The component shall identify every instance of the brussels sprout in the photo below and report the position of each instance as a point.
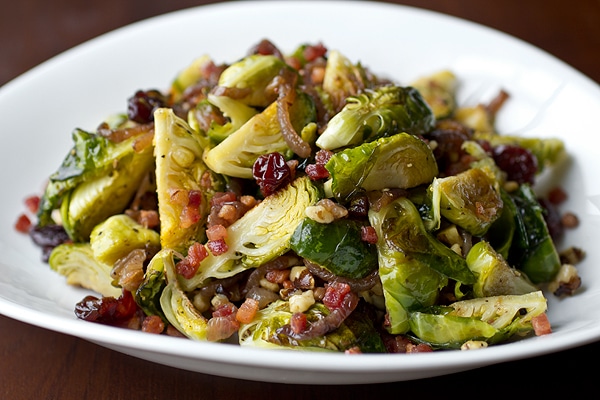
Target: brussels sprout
(377, 113)
(189, 76)
(260, 135)
(336, 246)
(502, 231)
(97, 179)
(117, 236)
(183, 203)
(399, 161)
(470, 199)
(177, 307)
(494, 276)
(76, 262)
(409, 284)
(533, 250)
(250, 78)
(237, 113)
(261, 235)
(477, 118)
(356, 331)
(342, 78)
(439, 92)
(403, 230)
(491, 319)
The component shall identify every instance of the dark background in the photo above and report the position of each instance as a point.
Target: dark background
(39, 364)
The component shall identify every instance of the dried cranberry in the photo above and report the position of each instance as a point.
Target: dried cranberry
(48, 235)
(519, 163)
(316, 172)
(141, 106)
(107, 310)
(271, 172)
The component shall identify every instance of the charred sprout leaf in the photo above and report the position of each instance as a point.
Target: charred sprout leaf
(147, 296)
(533, 249)
(260, 135)
(470, 199)
(382, 112)
(177, 307)
(250, 78)
(439, 92)
(400, 161)
(336, 246)
(409, 284)
(97, 179)
(491, 319)
(261, 235)
(118, 235)
(183, 203)
(356, 331)
(494, 276)
(76, 262)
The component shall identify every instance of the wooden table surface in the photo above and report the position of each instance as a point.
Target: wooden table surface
(40, 364)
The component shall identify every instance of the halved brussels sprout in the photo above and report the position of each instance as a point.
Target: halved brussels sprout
(118, 235)
(177, 307)
(189, 76)
(97, 179)
(494, 276)
(260, 135)
(236, 112)
(490, 319)
(470, 199)
(183, 203)
(377, 113)
(342, 78)
(439, 92)
(77, 263)
(251, 76)
(261, 235)
(411, 279)
(399, 161)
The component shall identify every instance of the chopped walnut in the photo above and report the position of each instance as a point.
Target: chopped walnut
(326, 211)
(567, 280)
(473, 345)
(572, 255)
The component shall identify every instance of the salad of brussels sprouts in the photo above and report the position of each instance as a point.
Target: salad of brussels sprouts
(301, 201)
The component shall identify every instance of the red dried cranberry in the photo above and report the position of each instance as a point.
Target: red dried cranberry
(107, 310)
(141, 106)
(519, 163)
(271, 172)
(316, 172)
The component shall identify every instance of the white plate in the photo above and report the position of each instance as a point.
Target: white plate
(82, 86)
